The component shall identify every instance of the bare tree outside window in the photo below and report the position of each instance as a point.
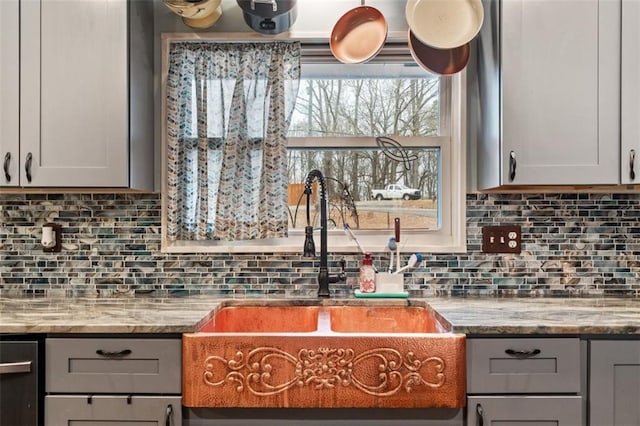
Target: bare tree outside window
(373, 181)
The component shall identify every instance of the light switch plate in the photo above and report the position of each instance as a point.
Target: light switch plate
(501, 239)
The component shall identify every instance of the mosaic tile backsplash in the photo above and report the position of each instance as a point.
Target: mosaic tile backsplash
(572, 245)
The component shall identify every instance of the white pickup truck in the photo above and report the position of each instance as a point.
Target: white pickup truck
(396, 191)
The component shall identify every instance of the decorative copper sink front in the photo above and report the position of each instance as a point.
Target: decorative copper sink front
(324, 357)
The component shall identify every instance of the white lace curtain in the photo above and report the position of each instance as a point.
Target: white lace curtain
(228, 110)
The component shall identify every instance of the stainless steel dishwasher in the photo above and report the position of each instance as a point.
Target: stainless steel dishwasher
(20, 382)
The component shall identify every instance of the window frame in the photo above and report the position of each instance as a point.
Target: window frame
(450, 238)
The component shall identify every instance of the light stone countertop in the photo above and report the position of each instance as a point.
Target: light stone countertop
(540, 315)
(184, 314)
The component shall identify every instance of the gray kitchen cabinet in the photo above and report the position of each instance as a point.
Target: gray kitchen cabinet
(532, 380)
(529, 410)
(548, 93)
(113, 365)
(614, 383)
(113, 380)
(523, 365)
(9, 98)
(85, 94)
(103, 410)
(630, 111)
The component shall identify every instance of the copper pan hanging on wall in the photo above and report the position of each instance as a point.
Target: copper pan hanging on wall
(358, 35)
(438, 61)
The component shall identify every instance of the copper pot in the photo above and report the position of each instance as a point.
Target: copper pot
(358, 35)
(438, 61)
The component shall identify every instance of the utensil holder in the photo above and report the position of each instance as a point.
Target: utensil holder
(389, 283)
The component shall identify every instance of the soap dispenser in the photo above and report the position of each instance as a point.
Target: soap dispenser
(367, 277)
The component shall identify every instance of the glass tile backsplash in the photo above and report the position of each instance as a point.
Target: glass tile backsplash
(572, 245)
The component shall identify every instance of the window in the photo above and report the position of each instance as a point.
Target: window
(388, 138)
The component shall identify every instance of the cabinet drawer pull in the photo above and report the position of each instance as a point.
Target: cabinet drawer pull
(168, 415)
(479, 415)
(512, 166)
(15, 367)
(27, 166)
(632, 161)
(522, 354)
(117, 354)
(7, 161)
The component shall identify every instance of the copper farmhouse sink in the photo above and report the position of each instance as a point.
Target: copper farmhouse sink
(324, 356)
(384, 319)
(263, 319)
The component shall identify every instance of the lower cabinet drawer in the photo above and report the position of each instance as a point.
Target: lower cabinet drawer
(523, 365)
(86, 410)
(529, 410)
(94, 365)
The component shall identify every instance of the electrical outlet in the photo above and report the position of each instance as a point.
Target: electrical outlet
(501, 239)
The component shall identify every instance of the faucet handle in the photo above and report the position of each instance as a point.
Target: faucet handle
(343, 266)
(309, 249)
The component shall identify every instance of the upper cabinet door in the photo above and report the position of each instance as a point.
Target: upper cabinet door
(560, 82)
(9, 92)
(630, 119)
(74, 93)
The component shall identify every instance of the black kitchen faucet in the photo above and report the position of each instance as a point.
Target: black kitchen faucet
(309, 246)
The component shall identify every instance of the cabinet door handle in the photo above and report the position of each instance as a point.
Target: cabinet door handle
(7, 161)
(117, 354)
(15, 367)
(512, 166)
(27, 166)
(479, 415)
(632, 160)
(522, 354)
(168, 415)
